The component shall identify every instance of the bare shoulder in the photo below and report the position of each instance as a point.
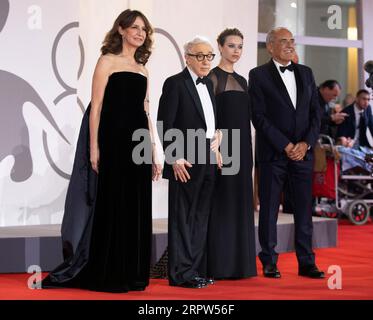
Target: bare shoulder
(107, 58)
(105, 64)
(144, 70)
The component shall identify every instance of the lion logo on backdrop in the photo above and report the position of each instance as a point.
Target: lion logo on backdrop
(14, 92)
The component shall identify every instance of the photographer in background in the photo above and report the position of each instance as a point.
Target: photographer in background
(329, 91)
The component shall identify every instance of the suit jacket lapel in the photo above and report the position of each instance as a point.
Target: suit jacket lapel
(368, 119)
(300, 86)
(276, 78)
(352, 119)
(193, 92)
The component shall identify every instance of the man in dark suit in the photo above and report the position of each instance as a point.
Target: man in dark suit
(354, 130)
(187, 103)
(286, 115)
(329, 91)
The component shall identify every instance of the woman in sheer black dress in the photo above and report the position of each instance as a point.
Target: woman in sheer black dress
(231, 238)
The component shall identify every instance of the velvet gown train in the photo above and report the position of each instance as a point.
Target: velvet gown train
(109, 214)
(231, 239)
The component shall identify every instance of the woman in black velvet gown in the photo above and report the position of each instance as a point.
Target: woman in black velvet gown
(231, 238)
(109, 248)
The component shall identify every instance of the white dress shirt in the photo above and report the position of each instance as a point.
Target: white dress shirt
(288, 78)
(358, 113)
(208, 109)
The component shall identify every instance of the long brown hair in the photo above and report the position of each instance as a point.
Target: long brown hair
(113, 40)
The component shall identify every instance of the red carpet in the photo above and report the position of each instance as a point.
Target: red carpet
(354, 255)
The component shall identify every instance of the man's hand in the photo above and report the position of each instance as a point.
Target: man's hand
(338, 117)
(288, 149)
(299, 151)
(180, 170)
(350, 142)
(346, 142)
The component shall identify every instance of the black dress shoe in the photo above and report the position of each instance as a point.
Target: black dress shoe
(271, 271)
(193, 284)
(205, 281)
(311, 271)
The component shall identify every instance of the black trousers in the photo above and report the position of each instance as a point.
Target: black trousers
(189, 212)
(271, 182)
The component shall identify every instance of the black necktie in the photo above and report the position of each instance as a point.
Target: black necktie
(363, 141)
(290, 67)
(201, 80)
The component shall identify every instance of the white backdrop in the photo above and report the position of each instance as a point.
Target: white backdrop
(37, 83)
(30, 32)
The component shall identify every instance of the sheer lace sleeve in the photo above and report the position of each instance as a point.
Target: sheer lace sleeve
(214, 80)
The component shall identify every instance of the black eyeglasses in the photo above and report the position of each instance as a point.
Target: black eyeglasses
(200, 57)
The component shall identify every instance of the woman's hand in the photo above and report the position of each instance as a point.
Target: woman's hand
(219, 160)
(156, 167)
(216, 140)
(95, 158)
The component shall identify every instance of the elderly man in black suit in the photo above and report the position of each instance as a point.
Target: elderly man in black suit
(286, 115)
(188, 104)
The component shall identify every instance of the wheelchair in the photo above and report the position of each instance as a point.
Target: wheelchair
(340, 193)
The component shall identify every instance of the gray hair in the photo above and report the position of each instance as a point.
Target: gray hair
(271, 34)
(194, 41)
